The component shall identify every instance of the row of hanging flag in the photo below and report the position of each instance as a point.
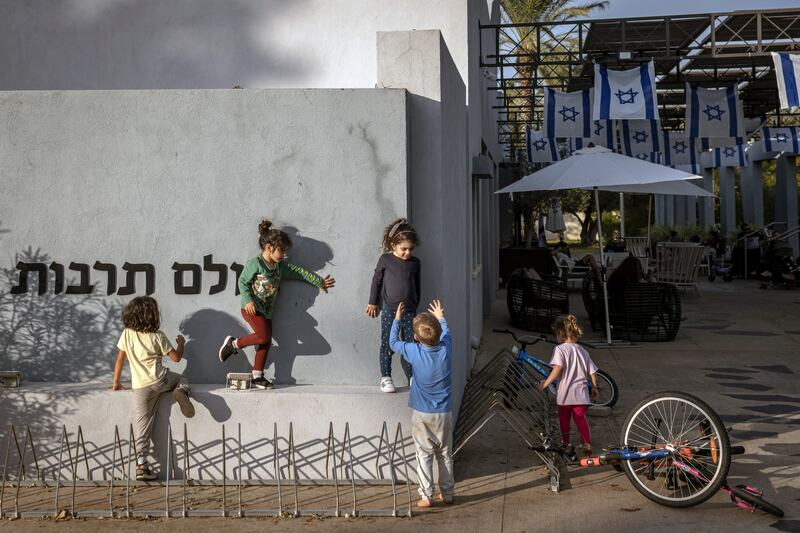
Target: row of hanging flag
(627, 100)
(644, 140)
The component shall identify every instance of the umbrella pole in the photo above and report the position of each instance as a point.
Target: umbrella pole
(622, 215)
(602, 263)
(649, 208)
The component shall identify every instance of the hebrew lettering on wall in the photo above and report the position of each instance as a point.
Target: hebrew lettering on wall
(138, 277)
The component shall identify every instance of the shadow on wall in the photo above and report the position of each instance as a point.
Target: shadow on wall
(294, 330)
(204, 331)
(55, 337)
(173, 45)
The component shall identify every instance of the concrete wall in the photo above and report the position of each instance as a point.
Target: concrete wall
(145, 44)
(159, 177)
(188, 44)
(440, 183)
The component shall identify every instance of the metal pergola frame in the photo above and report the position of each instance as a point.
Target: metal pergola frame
(710, 50)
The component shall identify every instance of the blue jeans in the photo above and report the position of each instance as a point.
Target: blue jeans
(406, 334)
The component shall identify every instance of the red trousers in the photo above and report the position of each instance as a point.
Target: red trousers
(578, 412)
(261, 338)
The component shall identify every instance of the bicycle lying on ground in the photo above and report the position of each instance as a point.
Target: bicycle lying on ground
(608, 393)
(675, 451)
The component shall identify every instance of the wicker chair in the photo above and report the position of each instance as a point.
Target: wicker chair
(645, 312)
(533, 305)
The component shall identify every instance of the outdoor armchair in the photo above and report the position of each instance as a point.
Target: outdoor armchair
(533, 304)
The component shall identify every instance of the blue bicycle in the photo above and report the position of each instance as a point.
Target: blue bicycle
(606, 386)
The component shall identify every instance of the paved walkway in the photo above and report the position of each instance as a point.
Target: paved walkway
(739, 350)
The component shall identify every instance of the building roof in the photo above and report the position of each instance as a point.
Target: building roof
(710, 50)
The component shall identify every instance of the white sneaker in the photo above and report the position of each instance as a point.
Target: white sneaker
(387, 385)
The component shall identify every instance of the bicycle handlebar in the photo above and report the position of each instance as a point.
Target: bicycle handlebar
(541, 337)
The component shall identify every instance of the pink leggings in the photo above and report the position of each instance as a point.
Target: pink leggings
(578, 412)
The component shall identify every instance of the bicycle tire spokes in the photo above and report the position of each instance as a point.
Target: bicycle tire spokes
(698, 452)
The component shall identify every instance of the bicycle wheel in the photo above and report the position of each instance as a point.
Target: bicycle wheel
(609, 394)
(741, 492)
(697, 442)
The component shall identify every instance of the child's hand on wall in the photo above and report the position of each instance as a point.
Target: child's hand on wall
(117, 386)
(327, 283)
(372, 310)
(250, 308)
(400, 309)
(436, 309)
(180, 340)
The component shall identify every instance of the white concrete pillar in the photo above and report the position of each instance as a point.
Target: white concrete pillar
(786, 196)
(659, 218)
(669, 210)
(752, 182)
(707, 204)
(680, 210)
(727, 200)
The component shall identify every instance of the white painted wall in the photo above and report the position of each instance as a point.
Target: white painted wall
(190, 44)
(170, 176)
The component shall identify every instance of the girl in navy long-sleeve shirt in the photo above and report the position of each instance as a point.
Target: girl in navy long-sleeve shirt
(396, 280)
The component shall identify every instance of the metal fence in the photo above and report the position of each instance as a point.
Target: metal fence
(340, 482)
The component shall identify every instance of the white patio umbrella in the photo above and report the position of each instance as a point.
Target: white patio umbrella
(598, 168)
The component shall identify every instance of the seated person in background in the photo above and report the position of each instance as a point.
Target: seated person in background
(673, 236)
(629, 271)
(616, 244)
(565, 261)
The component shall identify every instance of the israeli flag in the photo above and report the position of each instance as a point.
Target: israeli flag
(679, 149)
(787, 73)
(604, 134)
(729, 156)
(652, 157)
(714, 112)
(540, 148)
(576, 143)
(780, 140)
(567, 114)
(625, 94)
(708, 143)
(640, 137)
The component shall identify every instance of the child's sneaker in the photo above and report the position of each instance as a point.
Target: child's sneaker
(143, 473)
(387, 385)
(261, 383)
(227, 349)
(181, 396)
(424, 503)
(441, 498)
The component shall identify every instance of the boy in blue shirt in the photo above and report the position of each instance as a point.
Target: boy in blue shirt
(431, 419)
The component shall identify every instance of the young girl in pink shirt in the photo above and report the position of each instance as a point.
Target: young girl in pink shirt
(573, 368)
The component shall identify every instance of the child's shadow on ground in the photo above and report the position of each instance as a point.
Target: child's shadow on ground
(294, 329)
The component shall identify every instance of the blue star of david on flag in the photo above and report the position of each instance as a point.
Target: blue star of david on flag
(729, 151)
(568, 113)
(626, 97)
(640, 137)
(539, 144)
(642, 156)
(781, 137)
(713, 112)
(598, 128)
(679, 147)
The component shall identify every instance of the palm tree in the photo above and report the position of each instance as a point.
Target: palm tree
(523, 42)
(526, 43)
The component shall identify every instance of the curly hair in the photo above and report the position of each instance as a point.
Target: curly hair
(566, 328)
(274, 237)
(427, 328)
(398, 231)
(141, 314)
